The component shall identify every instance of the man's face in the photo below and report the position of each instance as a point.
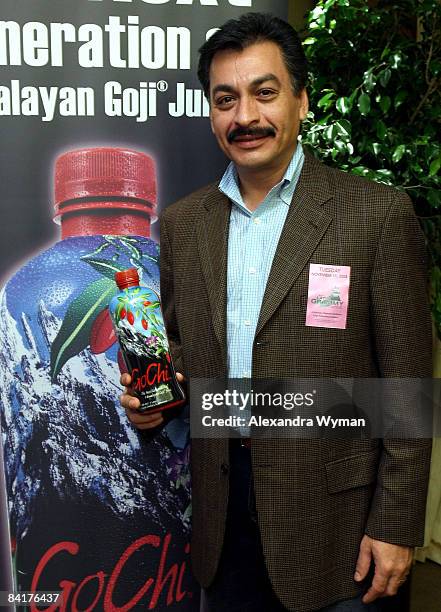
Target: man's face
(255, 114)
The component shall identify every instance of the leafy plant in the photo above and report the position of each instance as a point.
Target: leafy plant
(376, 101)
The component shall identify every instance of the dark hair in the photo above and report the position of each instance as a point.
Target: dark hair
(253, 28)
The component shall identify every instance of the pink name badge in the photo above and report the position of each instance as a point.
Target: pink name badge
(328, 296)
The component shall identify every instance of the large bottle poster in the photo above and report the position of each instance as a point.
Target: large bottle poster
(103, 124)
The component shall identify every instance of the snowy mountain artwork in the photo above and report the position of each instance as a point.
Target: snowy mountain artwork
(97, 510)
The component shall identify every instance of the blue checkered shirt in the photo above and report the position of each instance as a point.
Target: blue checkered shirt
(252, 242)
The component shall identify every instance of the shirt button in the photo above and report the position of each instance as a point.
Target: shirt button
(252, 270)
(247, 373)
(247, 322)
(257, 220)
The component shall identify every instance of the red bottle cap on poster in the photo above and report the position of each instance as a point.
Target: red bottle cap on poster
(127, 278)
(105, 178)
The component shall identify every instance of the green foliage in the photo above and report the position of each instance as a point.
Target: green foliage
(376, 101)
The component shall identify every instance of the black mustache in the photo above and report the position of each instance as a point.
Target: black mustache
(257, 131)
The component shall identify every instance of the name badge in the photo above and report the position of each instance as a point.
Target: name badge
(328, 296)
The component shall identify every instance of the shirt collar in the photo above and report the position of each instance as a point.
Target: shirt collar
(229, 183)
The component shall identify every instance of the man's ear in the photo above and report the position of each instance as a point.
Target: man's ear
(304, 104)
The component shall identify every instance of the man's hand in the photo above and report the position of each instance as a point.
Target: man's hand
(132, 403)
(392, 565)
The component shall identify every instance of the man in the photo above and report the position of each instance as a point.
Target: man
(292, 524)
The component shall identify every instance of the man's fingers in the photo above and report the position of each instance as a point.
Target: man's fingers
(155, 421)
(125, 380)
(144, 421)
(130, 402)
(395, 582)
(392, 564)
(180, 377)
(128, 398)
(378, 587)
(364, 559)
(150, 425)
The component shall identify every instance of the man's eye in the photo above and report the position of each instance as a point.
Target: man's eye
(266, 93)
(224, 100)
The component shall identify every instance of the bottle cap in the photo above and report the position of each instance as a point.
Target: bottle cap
(105, 177)
(127, 278)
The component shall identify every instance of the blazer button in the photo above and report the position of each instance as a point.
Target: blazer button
(225, 468)
(260, 344)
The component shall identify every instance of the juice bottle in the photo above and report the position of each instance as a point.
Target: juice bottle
(139, 326)
(95, 507)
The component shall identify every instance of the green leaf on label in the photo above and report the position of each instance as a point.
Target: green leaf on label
(364, 104)
(102, 247)
(398, 153)
(74, 333)
(134, 251)
(103, 266)
(155, 320)
(118, 310)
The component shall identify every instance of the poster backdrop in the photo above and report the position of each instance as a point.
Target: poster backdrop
(89, 506)
(105, 72)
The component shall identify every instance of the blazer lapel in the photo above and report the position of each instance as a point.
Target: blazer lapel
(304, 227)
(212, 239)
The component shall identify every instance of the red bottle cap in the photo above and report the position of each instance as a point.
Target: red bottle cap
(127, 278)
(106, 177)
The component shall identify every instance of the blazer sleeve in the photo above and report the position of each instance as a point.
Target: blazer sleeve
(403, 338)
(167, 295)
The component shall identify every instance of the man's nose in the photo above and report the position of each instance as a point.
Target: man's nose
(247, 111)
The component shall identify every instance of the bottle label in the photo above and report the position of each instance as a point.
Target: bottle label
(139, 326)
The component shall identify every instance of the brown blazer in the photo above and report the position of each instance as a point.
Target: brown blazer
(315, 498)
